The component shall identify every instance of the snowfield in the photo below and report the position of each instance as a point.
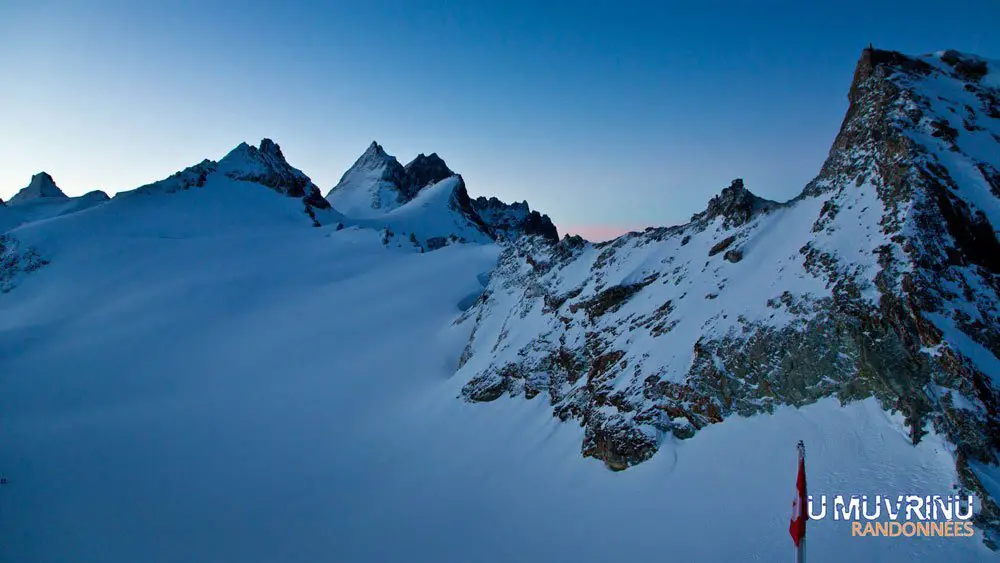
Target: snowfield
(202, 376)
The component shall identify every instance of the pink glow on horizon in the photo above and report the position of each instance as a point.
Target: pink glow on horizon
(599, 233)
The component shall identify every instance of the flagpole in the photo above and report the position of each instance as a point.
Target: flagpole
(800, 550)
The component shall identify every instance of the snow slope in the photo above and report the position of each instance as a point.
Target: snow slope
(206, 377)
(45, 208)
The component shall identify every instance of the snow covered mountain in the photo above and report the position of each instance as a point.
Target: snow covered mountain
(42, 186)
(224, 366)
(265, 166)
(882, 279)
(377, 185)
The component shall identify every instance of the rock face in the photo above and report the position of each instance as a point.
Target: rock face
(41, 187)
(736, 205)
(509, 221)
(880, 280)
(424, 171)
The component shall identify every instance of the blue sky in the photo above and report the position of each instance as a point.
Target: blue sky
(607, 116)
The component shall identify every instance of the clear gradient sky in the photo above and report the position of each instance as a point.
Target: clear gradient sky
(607, 116)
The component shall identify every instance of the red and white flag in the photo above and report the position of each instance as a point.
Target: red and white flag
(797, 525)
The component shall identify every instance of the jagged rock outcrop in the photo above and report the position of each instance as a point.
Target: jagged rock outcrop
(16, 261)
(509, 221)
(423, 171)
(736, 204)
(191, 177)
(41, 187)
(879, 280)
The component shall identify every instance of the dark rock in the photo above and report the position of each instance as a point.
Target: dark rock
(618, 444)
(944, 130)
(423, 171)
(736, 205)
(16, 261)
(509, 221)
(611, 299)
(721, 245)
(968, 67)
(487, 387)
(435, 243)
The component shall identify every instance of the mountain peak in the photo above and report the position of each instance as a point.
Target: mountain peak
(377, 184)
(42, 186)
(736, 204)
(246, 160)
(872, 60)
(423, 171)
(269, 147)
(246, 154)
(373, 185)
(266, 165)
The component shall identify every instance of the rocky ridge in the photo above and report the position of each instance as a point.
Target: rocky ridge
(880, 279)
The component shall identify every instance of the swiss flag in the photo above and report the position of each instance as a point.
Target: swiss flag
(797, 525)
